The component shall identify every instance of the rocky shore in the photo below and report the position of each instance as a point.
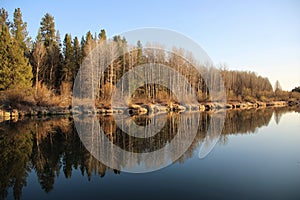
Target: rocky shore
(138, 109)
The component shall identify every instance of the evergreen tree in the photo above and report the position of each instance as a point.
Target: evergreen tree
(53, 65)
(48, 29)
(296, 89)
(4, 18)
(102, 35)
(88, 45)
(68, 65)
(277, 86)
(5, 43)
(82, 44)
(19, 31)
(57, 63)
(21, 71)
(15, 71)
(77, 57)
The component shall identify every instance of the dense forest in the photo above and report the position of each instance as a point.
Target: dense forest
(42, 71)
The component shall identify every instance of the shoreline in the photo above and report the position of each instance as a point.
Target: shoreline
(138, 109)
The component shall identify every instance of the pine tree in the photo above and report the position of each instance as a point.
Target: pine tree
(77, 57)
(87, 73)
(19, 31)
(53, 65)
(15, 70)
(277, 87)
(58, 63)
(89, 44)
(48, 29)
(4, 18)
(5, 43)
(20, 68)
(102, 35)
(68, 65)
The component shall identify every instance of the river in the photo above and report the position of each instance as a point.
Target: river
(256, 156)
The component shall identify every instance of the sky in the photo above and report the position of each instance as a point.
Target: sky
(260, 36)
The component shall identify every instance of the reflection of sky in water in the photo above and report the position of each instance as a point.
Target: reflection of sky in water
(264, 165)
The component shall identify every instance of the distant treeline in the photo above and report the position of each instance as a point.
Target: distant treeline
(46, 67)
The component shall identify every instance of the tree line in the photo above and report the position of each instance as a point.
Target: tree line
(47, 62)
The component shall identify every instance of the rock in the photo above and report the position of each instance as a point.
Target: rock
(15, 118)
(161, 108)
(218, 106)
(4, 118)
(194, 107)
(135, 109)
(4, 113)
(261, 104)
(243, 105)
(293, 103)
(180, 108)
(249, 104)
(22, 113)
(150, 108)
(280, 103)
(109, 111)
(14, 112)
(120, 111)
(228, 106)
(101, 111)
(208, 106)
(75, 111)
(201, 107)
(143, 111)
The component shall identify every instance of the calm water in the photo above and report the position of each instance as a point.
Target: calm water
(257, 157)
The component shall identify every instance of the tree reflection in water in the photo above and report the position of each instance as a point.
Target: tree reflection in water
(51, 146)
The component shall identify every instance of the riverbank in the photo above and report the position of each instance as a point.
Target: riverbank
(137, 109)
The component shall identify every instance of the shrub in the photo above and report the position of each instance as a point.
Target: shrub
(250, 99)
(65, 93)
(16, 98)
(45, 97)
(295, 95)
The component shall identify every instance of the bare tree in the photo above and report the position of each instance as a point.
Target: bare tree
(38, 57)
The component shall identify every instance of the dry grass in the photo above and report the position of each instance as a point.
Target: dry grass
(45, 97)
(16, 98)
(65, 94)
(21, 99)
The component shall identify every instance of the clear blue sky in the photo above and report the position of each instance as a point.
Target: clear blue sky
(260, 36)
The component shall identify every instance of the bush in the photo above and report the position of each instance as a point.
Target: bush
(263, 99)
(250, 99)
(295, 95)
(16, 98)
(45, 97)
(296, 89)
(281, 95)
(66, 93)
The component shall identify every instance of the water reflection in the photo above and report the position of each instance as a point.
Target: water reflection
(122, 151)
(49, 147)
